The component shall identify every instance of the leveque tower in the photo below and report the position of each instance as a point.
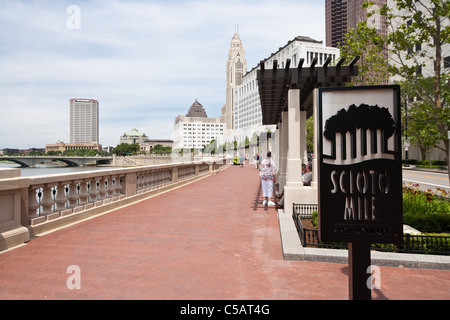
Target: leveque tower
(236, 68)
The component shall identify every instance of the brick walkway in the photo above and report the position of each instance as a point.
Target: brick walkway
(211, 239)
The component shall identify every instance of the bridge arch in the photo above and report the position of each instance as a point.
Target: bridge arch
(33, 161)
(69, 162)
(21, 163)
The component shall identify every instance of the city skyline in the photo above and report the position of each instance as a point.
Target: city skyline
(144, 61)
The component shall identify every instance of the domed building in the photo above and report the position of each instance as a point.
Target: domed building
(145, 144)
(195, 129)
(133, 136)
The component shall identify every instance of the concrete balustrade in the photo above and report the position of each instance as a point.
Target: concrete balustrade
(32, 205)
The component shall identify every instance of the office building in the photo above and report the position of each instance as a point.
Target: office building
(341, 15)
(236, 68)
(248, 117)
(62, 147)
(84, 121)
(195, 129)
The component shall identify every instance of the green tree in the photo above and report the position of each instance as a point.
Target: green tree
(160, 149)
(211, 148)
(416, 33)
(421, 117)
(54, 153)
(255, 139)
(365, 42)
(246, 142)
(125, 149)
(310, 135)
(422, 28)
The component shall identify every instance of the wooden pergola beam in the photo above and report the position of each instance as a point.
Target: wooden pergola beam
(275, 83)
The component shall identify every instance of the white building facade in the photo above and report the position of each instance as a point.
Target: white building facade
(195, 129)
(84, 121)
(424, 53)
(247, 107)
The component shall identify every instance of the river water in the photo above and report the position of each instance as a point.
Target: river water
(51, 169)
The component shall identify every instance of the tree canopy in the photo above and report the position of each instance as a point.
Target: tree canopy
(417, 31)
(125, 149)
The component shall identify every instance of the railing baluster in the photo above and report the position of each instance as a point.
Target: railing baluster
(83, 194)
(119, 185)
(47, 200)
(93, 192)
(102, 189)
(73, 194)
(111, 187)
(33, 204)
(60, 198)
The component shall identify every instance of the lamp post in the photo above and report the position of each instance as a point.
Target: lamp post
(406, 143)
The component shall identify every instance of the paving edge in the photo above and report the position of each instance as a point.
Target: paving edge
(293, 250)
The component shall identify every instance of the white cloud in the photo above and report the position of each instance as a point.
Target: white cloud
(144, 61)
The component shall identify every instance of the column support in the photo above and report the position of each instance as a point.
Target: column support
(294, 161)
(284, 140)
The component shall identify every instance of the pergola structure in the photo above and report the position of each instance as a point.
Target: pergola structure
(287, 100)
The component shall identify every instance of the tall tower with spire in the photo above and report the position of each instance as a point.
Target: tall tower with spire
(236, 69)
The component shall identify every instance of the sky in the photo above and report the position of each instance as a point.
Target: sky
(145, 62)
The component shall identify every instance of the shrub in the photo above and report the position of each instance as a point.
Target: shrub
(426, 211)
(315, 218)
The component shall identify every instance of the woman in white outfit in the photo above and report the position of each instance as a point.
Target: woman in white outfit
(267, 171)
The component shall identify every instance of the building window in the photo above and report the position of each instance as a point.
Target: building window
(419, 70)
(447, 62)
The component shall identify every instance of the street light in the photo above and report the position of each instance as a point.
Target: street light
(406, 143)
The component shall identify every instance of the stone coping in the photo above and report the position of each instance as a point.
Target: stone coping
(106, 172)
(293, 250)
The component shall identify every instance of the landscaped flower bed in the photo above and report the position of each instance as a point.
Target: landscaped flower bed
(427, 211)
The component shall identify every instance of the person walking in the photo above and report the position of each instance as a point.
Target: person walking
(257, 161)
(267, 171)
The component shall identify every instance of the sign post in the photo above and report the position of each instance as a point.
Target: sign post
(359, 173)
(358, 262)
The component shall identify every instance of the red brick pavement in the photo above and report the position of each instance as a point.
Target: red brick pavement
(209, 240)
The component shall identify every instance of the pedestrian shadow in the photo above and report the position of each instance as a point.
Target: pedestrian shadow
(258, 199)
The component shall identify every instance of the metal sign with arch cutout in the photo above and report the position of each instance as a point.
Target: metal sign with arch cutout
(359, 169)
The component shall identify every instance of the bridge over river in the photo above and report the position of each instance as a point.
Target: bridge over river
(31, 161)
